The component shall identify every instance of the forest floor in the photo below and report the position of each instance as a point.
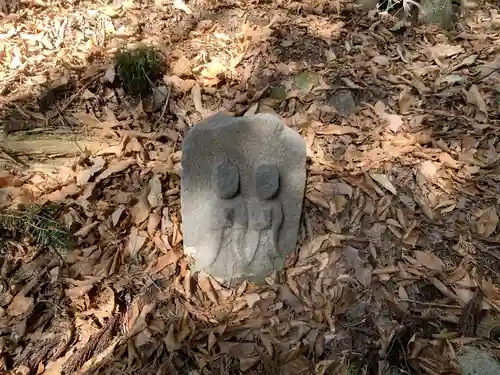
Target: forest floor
(397, 268)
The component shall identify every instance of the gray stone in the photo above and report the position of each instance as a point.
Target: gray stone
(243, 181)
(343, 101)
(475, 361)
(439, 12)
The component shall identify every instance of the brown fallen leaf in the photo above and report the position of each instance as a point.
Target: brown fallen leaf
(87, 119)
(165, 260)
(429, 260)
(383, 180)
(394, 121)
(117, 213)
(84, 176)
(447, 160)
(251, 299)
(247, 363)
(337, 130)
(20, 304)
(206, 287)
(155, 197)
(135, 242)
(153, 223)
(78, 291)
(487, 222)
(333, 188)
(115, 168)
(198, 104)
(475, 98)
(181, 67)
(140, 211)
(179, 84)
(86, 229)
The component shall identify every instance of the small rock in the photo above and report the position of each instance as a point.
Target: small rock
(474, 361)
(343, 101)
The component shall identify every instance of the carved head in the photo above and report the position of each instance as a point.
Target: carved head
(267, 180)
(225, 179)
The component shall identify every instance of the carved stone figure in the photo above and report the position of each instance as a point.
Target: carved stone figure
(265, 217)
(242, 188)
(229, 217)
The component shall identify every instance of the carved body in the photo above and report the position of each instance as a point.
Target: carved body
(241, 195)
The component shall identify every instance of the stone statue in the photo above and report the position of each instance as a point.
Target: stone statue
(243, 181)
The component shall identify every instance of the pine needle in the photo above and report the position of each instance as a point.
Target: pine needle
(35, 223)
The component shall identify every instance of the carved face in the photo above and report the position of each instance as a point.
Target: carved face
(225, 179)
(267, 181)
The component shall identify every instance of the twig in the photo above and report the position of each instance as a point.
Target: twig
(486, 75)
(153, 86)
(491, 253)
(5, 154)
(431, 304)
(35, 226)
(65, 123)
(165, 104)
(66, 105)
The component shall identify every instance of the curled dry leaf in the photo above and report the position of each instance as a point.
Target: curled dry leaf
(475, 98)
(155, 196)
(197, 100)
(487, 222)
(181, 67)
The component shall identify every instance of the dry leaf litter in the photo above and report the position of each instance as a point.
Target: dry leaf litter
(397, 266)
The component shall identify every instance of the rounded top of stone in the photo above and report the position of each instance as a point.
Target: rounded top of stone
(266, 180)
(225, 178)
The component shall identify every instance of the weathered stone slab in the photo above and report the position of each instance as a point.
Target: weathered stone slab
(243, 181)
(475, 361)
